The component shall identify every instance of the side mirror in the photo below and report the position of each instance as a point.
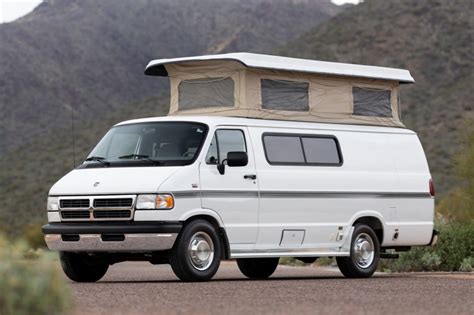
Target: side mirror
(234, 159)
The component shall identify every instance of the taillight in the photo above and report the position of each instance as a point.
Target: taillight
(432, 188)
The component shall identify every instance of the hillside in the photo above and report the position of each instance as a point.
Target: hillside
(434, 40)
(91, 54)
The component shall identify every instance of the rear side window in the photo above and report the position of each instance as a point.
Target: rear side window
(206, 92)
(285, 95)
(288, 149)
(321, 150)
(371, 102)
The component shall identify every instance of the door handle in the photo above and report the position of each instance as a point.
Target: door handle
(250, 176)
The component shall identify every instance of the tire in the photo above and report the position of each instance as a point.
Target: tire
(361, 263)
(82, 268)
(257, 268)
(197, 252)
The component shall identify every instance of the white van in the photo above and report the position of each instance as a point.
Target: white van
(198, 186)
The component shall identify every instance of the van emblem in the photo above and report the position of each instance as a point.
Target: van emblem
(194, 185)
(96, 184)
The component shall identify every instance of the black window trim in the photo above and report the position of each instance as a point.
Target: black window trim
(301, 136)
(217, 143)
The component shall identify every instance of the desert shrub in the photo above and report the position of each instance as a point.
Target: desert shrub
(467, 264)
(29, 282)
(33, 235)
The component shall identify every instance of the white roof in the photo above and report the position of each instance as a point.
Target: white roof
(156, 67)
(240, 121)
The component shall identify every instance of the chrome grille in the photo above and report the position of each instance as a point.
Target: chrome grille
(111, 214)
(74, 203)
(97, 208)
(113, 203)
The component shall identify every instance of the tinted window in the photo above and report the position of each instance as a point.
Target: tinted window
(223, 142)
(371, 102)
(283, 149)
(321, 150)
(170, 143)
(207, 92)
(285, 95)
(302, 149)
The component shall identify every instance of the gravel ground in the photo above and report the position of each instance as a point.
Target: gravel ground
(141, 288)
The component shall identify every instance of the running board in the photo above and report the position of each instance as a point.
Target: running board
(284, 252)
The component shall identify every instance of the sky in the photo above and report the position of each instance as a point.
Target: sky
(10, 10)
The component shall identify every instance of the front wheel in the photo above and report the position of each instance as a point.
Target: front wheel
(82, 268)
(197, 252)
(257, 268)
(364, 254)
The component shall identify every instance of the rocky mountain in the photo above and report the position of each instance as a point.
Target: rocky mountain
(90, 54)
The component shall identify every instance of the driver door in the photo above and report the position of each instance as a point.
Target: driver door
(234, 194)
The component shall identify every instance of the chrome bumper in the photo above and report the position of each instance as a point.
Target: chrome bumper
(96, 242)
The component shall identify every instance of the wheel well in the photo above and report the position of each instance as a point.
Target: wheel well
(220, 230)
(375, 224)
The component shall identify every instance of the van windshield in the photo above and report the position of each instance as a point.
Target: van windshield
(148, 144)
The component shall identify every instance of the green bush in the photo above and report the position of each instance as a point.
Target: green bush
(453, 252)
(29, 282)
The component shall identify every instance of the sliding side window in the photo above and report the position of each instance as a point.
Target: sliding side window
(316, 150)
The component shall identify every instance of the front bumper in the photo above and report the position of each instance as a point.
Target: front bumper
(111, 237)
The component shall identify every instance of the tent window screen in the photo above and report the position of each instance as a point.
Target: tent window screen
(371, 102)
(285, 95)
(206, 92)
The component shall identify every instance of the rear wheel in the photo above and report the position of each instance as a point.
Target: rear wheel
(197, 252)
(82, 268)
(364, 254)
(257, 268)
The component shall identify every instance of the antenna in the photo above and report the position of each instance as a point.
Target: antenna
(73, 138)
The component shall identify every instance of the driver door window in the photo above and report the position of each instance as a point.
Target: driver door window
(223, 142)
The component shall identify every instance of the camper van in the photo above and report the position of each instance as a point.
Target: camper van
(260, 157)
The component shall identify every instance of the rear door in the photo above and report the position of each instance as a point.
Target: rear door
(234, 194)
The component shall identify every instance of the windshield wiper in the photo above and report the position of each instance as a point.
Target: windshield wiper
(139, 157)
(97, 159)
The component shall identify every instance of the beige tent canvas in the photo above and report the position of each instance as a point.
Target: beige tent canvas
(273, 87)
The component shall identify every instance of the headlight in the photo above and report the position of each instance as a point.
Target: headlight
(163, 202)
(53, 204)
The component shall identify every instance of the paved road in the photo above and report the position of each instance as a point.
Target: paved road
(141, 288)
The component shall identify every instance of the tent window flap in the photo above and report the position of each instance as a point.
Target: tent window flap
(285, 95)
(371, 102)
(206, 92)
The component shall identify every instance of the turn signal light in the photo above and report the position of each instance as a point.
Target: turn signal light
(164, 202)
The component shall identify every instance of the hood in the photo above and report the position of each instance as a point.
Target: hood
(118, 180)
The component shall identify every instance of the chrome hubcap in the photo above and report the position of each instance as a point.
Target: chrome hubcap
(363, 250)
(201, 251)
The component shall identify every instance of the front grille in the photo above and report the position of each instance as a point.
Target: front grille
(112, 214)
(74, 203)
(97, 208)
(113, 203)
(78, 214)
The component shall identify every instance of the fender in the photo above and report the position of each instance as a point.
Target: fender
(361, 214)
(202, 211)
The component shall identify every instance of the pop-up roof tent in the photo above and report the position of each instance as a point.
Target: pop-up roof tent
(272, 87)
